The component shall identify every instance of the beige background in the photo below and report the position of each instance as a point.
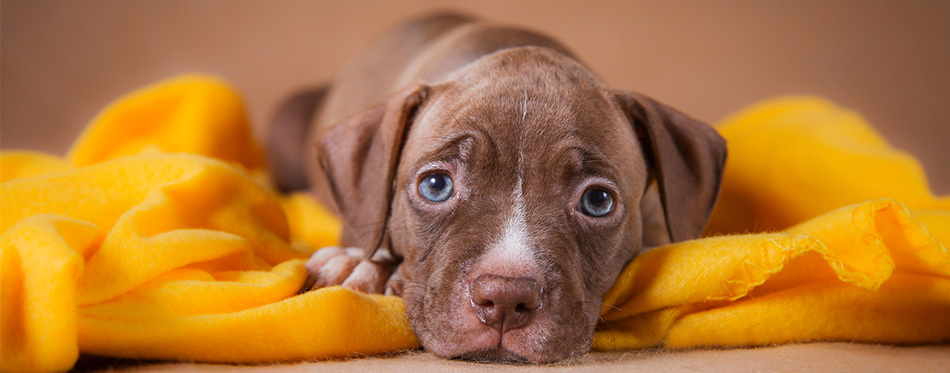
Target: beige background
(889, 60)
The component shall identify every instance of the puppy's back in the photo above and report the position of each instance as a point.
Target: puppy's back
(375, 72)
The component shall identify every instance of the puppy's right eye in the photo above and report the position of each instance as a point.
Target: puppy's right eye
(436, 187)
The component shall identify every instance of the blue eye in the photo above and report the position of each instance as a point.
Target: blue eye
(597, 202)
(436, 187)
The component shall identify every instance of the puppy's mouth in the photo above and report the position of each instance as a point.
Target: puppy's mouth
(548, 338)
(458, 325)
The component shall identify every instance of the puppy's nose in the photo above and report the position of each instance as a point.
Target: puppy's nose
(505, 303)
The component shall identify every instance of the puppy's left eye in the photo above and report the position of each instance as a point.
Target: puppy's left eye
(597, 202)
(436, 187)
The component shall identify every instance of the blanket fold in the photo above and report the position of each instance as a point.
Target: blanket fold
(866, 272)
(160, 237)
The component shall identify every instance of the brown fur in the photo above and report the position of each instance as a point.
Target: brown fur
(489, 105)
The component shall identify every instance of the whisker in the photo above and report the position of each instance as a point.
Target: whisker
(603, 304)
(420, 283)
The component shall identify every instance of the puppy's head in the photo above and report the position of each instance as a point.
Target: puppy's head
(513, 191)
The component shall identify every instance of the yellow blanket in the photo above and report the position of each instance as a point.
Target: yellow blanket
(158, 237)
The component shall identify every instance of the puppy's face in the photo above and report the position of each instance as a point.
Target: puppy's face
(514, 203)
(529, 192)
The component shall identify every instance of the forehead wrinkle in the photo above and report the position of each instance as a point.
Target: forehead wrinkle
(464, 145)
(446, 148)
(595, 162)
(571, 154)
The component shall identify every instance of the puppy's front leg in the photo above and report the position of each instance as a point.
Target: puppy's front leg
(333, 265)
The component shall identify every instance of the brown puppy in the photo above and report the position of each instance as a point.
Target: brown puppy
(504, 182)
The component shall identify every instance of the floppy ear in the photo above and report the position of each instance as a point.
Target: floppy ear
(358, 157)
(687, 157)
(286, 138)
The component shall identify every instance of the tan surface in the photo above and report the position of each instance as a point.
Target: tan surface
(61, 62)
(826, 357)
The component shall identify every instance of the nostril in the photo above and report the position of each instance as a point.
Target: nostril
(503, 302)
(481, 298)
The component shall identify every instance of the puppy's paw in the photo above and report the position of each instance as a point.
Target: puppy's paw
(394, 285)
(331, 266)
(369, 277)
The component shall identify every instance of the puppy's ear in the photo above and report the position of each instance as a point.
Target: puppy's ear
(286, 138)
(359, 156)
(687, 157)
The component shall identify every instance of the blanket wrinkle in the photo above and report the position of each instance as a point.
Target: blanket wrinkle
(190, 114)
(159, 236)
(821, 266)
(794, 158)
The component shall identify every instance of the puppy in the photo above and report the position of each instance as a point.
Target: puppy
(494, 182)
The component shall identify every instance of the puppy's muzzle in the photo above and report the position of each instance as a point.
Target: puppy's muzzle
(505, 303)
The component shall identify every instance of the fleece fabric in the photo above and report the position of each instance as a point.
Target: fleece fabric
(159, 236)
